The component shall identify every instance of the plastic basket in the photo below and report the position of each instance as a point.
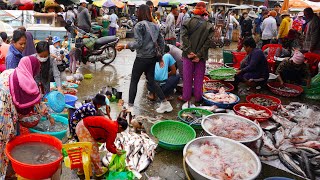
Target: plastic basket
(56, 101)
(229, 86)
(60, 135)
(197, 110)
(238, 57)
(41, 171)
(220, 105)
(173, 135)
(222, 73)
(274, 99)
(311, 91)
(236, 109)
(273, 87)
(71, 99)
(313, 96)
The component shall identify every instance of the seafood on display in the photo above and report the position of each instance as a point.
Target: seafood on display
(287, 89)
(221, 97)
(140, 151)
(194, 117)
(232, 128)
(215, 85)
(221, 161)
(296, 140)
(250, 112)
(263, 101)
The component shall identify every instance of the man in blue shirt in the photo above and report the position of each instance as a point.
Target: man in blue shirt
(166, 77)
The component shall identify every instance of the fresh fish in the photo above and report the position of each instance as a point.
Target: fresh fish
(285, 145)
(311, 144)
(143, 163)
(309, 150)
(305, 165)
(279, 136)
(299, 139)
(283, 121)
(268, 142)
(257, 145)
(265, 151)
(315, 162)
(292, 150)
(317, 172)
(268, 125)
(286, 159)
(295, 131)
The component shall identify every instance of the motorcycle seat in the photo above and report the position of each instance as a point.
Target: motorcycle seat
(105, 40)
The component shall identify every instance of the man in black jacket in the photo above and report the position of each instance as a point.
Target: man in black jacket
(83, 18)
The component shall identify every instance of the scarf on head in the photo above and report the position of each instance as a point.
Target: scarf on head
(23, 88)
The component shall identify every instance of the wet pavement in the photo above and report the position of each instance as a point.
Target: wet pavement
(167, 164)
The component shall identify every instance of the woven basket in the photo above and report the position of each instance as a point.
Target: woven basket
(197, 110)
(173, 135)
(219, 74)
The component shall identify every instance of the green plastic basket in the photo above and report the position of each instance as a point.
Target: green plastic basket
(313, 96)
(222, 73)
(173, 135)
(198, 111)
(227, 56)
(312, 90)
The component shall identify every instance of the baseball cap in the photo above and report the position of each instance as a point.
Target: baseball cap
(84, 1)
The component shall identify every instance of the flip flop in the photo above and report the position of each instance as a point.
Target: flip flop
(104, 171)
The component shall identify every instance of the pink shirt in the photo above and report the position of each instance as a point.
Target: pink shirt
(4, 49)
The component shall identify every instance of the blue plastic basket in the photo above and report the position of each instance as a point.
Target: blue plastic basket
(56, 101)
(70, 99)
(220, 105)
(60, 135)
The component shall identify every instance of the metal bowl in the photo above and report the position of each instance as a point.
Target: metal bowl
(235, 117)
(227, 142)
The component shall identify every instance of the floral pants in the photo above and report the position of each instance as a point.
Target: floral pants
(85, 136)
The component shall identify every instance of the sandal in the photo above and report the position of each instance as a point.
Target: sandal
(104, 171)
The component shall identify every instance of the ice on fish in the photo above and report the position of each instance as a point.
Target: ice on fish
(35, 153)
(45, 126)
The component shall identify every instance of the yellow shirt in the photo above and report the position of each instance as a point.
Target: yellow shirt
(284, 27)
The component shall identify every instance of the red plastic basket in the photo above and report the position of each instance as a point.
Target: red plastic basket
(237, 58)
(236, 109)
(71, 91)
(274, 99)
(273, 86)
(229, 85)
(42, 171)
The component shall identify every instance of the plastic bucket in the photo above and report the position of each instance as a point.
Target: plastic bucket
(70, 99)
(42, 171)
(61, 134)
(227, 56)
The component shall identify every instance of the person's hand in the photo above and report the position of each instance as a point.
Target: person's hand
(120, 47)
(43, 110)
(52, 121)
(119, 152)
(196, 60)
(281, 82)
(161, 63)
(191, 55)
(238, 72)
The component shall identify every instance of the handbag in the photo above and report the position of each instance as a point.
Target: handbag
(158, 50)
(62, 67)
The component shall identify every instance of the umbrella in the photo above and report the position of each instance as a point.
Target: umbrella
(298, 4)
(99, 3)
(6, 28)
(109, 3)
(285, 5)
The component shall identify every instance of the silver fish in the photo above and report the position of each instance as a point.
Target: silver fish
(265, 151)
(283, 121)
(295, 131)
(268, 142)
(286, 159)
(311, 144)
(306, 166)
(299, 139)
(268, 158)
(279, 136)
(268, 125)
(143, 162)
(285, 145)
(308, 149)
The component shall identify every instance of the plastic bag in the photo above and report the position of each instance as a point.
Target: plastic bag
(118, 163)
(127, 175)
(315, 80)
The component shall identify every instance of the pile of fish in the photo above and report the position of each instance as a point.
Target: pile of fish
(221, 161)
(263, 101)
(140, 151)
(194, 117)
(293, 138)
(287, 89)
(215, 85)
(221, 97)
(251, 112)
(231, 128)
(45, 126)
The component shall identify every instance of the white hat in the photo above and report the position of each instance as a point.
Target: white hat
(1, 41)
(84, 1)
(252, 14)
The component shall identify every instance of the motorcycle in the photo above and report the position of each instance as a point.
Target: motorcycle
(93, 49)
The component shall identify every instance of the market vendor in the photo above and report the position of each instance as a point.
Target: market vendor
(254, 69)
(88, 109)
(100, 129)
(19, 96)
(293, 70)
